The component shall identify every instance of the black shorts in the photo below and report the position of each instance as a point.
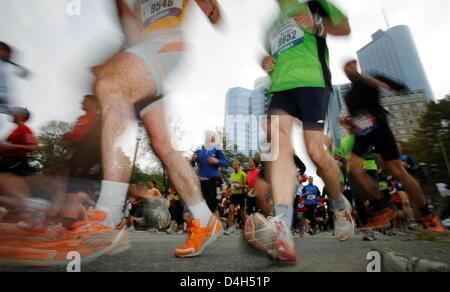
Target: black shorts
(382, 139)
(308, 104)
(238, 200)
(18, 166)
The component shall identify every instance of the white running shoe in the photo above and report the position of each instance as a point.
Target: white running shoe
(272, 236)
(344, 226)
(369, 236)
(230, 230)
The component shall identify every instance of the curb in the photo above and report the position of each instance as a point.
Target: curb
(394, 262)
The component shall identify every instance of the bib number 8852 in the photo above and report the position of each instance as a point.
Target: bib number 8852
(287, 37)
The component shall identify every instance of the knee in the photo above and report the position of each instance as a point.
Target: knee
(162, 146)
(285, 143)
(318, 156)
(108, 91)
(406, 203)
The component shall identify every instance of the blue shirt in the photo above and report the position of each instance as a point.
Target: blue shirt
(408, 161)
(208, 170)
(313, 197)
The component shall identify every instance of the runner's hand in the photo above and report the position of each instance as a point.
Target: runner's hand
(383, 85)
(268, 64)
(212, 160)
(5, 146)
(306, 22)
(209, 9)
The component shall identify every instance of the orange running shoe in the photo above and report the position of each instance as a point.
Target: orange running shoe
(433, 223)
(90, 238)
(199, 238)
(382, 220)
(50, 231)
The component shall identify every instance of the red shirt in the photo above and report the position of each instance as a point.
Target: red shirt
(83, 125)
(252, 176)
(322, 200)
(22, 135)
(301, 206)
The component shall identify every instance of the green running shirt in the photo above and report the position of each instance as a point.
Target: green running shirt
(302, 58)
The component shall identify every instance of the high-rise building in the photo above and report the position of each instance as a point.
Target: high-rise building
(243, 112)
(393, 53)
(335, 112)
(405, 111)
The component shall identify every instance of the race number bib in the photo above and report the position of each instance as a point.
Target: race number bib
(153, 10)
(301, 206)
(311, 197)
(364, 124)
(287, 37)
(251, 192)
(383, 185)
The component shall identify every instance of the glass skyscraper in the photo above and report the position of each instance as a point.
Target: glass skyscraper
(243, 110)
(393, 53)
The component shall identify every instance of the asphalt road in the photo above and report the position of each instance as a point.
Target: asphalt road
(320, 253)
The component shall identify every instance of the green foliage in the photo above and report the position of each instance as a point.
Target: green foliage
(426, 146)
(52, 159)
(138, 176)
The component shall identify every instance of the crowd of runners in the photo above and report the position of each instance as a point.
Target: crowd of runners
(271, 201)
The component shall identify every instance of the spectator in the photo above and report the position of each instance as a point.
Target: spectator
(176, 212)
(209, 159)
(311, 194)
(238, 181)
(82, 176)
(297, 199)
(6, 53)
(252, 178)
(20, 143)
(14, 155)
(153, 190)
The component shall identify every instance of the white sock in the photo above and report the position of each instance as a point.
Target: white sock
(201, 212)
(287, 212)
(112, 200)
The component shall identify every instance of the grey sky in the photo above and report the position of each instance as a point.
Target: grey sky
(59, 50)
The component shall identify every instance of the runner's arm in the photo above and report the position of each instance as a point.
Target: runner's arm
(22, 73)
(128, 22)
(341, 29)
(371, 81)
(30, 148)
(223, 161)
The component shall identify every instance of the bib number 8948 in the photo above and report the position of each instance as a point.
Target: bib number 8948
(156, 7)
